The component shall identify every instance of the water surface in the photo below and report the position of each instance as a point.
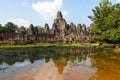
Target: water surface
(59, 64)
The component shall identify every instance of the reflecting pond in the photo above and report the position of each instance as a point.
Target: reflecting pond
(59, 64)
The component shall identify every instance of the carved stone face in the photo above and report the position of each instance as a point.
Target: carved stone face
(79, 27)
(46, 28)
(59, 14)
(84, 28)
(31, 29)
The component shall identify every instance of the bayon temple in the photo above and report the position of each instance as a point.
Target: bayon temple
(60, 32)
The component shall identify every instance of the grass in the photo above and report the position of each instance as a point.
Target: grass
(58, 46)
(18, 46)
(45, 45)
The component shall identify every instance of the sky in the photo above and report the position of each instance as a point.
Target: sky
(39, 12)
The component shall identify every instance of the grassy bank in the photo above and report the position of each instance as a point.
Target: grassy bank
(45, 45)
(18, 46)
(63, 46)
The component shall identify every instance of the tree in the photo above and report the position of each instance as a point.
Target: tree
(106, 22)
(4, 29)
(13, 28)
(40, 28)
(0, 25)
(22, 30)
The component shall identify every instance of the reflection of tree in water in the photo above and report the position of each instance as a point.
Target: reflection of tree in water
(107, 64)
(12, 56)
(72, 59)
(10, 61)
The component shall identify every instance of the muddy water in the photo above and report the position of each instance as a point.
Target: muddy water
(63, 64)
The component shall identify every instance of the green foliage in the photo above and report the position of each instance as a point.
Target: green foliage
(106, 22)
(40, 28)
(22, 30)
(4, 30)
(12, 27)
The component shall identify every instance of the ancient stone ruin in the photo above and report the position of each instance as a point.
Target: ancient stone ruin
(61, 32)
(69, 33)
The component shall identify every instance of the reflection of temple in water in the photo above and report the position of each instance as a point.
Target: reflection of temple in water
(47, 59)
(60, 57)
(60, 63)
(102, 67)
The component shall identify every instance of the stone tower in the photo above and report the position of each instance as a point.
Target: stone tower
(59, 25)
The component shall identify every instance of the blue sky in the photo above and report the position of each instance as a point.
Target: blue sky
(39, 12)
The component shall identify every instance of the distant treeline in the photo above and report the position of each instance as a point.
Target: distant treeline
(13, 28)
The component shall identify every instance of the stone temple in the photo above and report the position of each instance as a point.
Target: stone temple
(61, 32)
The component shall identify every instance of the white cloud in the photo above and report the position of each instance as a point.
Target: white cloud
(48, 9)
(22, 64)
(20, 22)
(24, 4)
(118, 1)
